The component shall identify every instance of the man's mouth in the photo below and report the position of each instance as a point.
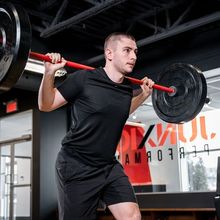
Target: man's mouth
(131, 64)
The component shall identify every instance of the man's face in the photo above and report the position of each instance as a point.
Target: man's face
(124, 55)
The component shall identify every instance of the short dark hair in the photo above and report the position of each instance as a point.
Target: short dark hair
(116, 36)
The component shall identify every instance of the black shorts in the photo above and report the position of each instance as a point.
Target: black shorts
(81, 187)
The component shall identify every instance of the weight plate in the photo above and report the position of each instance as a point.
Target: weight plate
(189, 98)
(15, 41)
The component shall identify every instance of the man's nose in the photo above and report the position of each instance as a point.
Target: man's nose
(134, 56)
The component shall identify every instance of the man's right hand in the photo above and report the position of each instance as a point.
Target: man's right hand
(57, 62)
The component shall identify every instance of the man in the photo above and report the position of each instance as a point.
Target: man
(101, 100)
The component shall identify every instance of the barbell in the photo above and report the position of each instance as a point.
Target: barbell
(178, 99)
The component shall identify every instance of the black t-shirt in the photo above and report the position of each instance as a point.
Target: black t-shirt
(99, 110)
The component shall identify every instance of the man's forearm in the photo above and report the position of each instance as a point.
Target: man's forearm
(46, 92)
(137, 101)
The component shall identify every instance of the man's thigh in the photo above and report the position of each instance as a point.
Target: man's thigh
(119, 195)
(118, 188)
(79, 189)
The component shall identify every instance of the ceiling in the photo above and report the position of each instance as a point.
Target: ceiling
(88, 22)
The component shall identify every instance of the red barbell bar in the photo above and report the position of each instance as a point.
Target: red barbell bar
(75, 65)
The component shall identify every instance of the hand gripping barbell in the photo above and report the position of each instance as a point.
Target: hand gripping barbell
(180, 99)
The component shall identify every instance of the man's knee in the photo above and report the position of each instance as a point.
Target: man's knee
(136, 215)
(131, 214)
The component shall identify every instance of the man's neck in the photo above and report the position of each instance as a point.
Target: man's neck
(113, 74)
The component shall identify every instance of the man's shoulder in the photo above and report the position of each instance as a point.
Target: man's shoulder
(84, 75)
(88, 72)
(96, 73)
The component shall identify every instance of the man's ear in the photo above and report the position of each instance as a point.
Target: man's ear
(108, 54)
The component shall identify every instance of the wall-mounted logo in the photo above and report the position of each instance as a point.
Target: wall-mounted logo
(138, 146)
(174, 133)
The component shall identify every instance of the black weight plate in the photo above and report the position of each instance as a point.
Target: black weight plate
(15, 41)
(190, 96)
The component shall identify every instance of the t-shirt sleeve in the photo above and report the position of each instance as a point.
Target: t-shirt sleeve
(72, 86)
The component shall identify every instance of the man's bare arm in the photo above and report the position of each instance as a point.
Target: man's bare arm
(139, 96)
(49, 98)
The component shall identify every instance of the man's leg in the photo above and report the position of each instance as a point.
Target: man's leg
(78, 189)
(119, 195)
(125, 211)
